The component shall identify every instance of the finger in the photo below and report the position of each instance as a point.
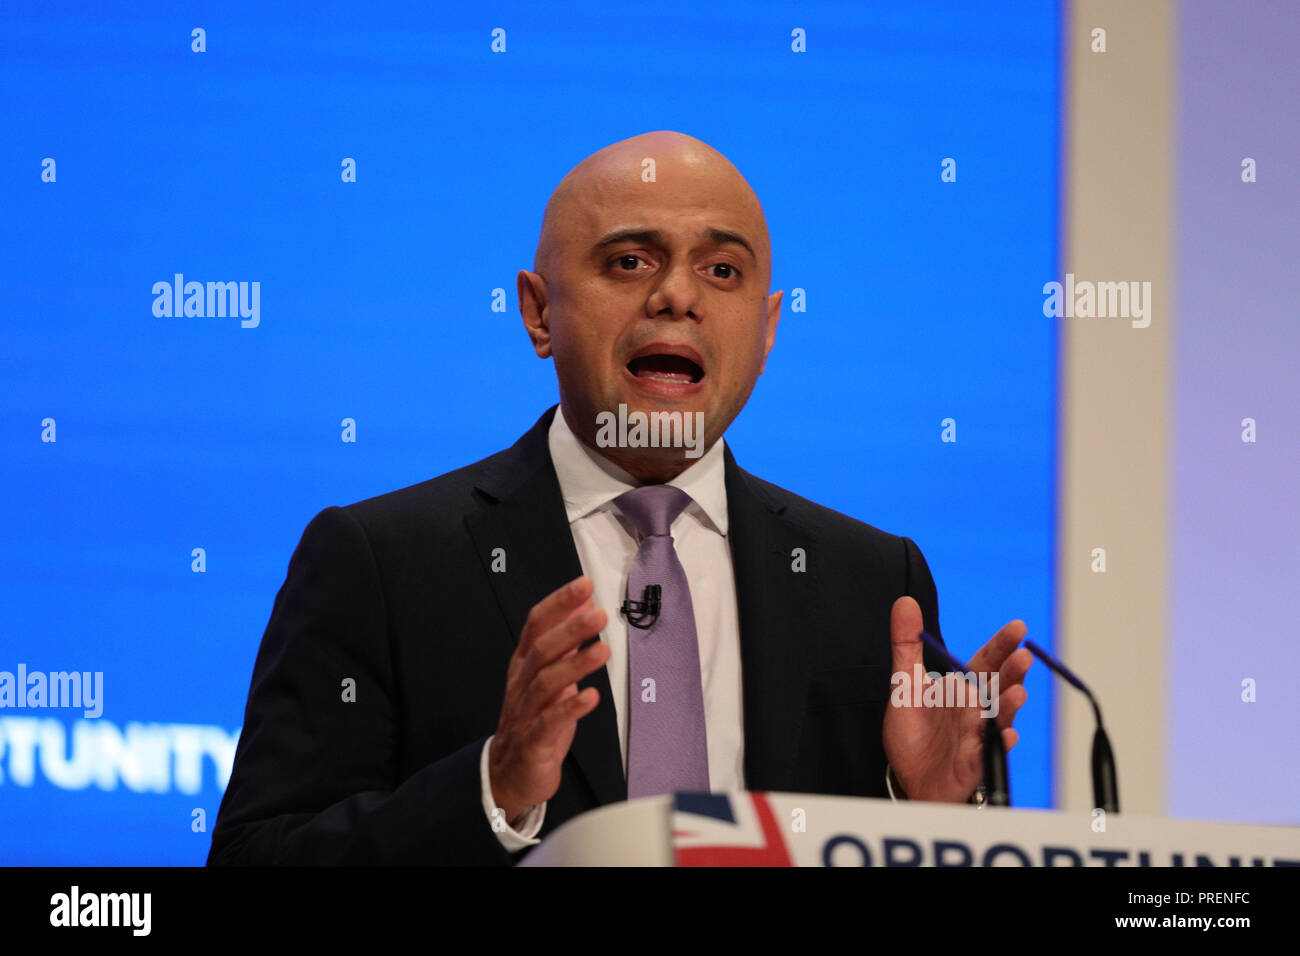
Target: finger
(554, 644)
(1014, 668)
(1009, 737)
(991, 656)
(1009, 703)
(529, 659)
(554, 680)
(587, 621)
(561, 717)
(554, 608)
(905, 623)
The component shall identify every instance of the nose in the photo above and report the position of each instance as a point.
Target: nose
(676, 295)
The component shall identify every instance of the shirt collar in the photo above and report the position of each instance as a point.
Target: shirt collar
(589, 481)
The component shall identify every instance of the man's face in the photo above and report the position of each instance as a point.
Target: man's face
(655, 296)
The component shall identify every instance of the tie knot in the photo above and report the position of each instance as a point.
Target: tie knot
(653, 508)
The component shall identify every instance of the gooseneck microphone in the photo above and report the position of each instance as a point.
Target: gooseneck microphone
(997, 781)
(1105, 786)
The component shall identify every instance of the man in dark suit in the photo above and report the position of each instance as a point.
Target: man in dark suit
(430, 687)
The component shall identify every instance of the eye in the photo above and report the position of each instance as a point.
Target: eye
(627, 262)
(729, 271)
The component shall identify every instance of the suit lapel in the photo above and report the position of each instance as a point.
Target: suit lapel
(780, 616)
(524, 515)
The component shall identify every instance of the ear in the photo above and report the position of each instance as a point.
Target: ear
(533, 307)
(773, 317)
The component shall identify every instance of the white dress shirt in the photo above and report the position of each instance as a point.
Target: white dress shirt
(606, 543)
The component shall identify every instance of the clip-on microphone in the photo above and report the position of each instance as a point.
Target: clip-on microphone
(642, 614)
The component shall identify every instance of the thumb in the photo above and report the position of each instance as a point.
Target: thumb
(905, 623)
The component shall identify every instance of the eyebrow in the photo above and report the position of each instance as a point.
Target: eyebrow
(655, 237)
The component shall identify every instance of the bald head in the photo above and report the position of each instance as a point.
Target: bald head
(637, 171)
(650, 292)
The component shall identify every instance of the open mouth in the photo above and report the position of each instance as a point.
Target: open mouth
(661, 367)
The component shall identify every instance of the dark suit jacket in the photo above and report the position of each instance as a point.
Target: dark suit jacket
(397, 593)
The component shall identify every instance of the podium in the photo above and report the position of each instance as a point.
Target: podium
(789, 829)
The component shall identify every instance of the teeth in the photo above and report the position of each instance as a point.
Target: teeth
(666, 378)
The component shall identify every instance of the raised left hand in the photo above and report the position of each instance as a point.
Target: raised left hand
(936, 752)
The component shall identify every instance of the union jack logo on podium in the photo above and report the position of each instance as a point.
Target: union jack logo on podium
(713, 829)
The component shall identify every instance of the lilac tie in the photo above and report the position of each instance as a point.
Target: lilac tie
(666, 746)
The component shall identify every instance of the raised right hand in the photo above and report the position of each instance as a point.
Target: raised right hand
(542, 705)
